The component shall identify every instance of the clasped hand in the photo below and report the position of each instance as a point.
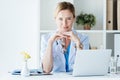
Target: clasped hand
(67, 35)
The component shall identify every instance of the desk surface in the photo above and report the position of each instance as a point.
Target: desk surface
(57, 76)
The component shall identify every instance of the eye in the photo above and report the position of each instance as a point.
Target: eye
(69, 18)
(60, 19)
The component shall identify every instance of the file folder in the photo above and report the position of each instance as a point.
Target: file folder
(109, 14)
(118, 14)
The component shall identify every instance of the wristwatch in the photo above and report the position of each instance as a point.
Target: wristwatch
(80, 46)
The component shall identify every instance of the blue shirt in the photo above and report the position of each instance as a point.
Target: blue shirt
(66, 54)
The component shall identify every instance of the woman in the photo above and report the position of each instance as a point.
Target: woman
(58, 49)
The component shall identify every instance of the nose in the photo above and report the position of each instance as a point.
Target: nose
(64, 22)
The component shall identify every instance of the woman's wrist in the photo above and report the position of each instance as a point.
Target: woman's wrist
(79, 45)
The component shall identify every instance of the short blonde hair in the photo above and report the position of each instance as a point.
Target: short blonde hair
(64, 6)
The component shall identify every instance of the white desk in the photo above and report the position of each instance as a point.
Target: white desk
(56, 76)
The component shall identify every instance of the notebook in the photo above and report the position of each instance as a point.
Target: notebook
(92, 62)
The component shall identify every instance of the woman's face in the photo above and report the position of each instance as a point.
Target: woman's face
(64, 20)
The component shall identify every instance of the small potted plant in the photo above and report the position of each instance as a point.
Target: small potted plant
(88, 20)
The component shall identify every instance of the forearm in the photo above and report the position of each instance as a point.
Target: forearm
(47, 61)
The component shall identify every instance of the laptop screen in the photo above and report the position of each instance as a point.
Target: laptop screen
(91, 62)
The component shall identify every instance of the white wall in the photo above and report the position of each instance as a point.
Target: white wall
(19, 31)
(96, 39)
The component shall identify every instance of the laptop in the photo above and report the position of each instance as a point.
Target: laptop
(92, 62)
